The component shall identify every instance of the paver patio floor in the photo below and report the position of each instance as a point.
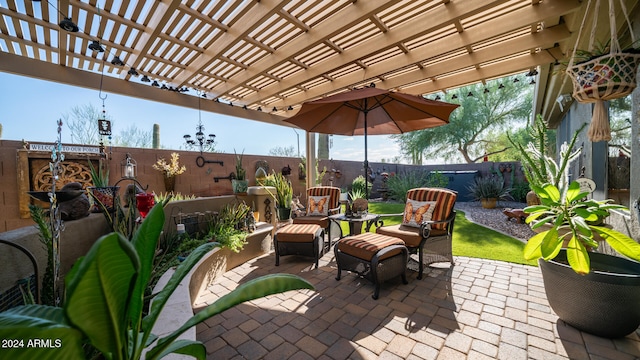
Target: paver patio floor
(476, 309)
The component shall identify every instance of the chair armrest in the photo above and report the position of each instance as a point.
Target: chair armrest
(335, 210)
(425, 227)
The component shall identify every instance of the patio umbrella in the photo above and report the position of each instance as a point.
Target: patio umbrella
(371, 111)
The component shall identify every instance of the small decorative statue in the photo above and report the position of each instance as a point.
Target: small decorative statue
(76, 208)
(286, 171)
(517, 214)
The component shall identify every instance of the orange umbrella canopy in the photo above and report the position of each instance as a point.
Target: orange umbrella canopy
(371, 111)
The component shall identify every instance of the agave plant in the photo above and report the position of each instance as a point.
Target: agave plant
(104, 303)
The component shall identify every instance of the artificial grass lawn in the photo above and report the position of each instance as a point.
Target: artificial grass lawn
(469, 239)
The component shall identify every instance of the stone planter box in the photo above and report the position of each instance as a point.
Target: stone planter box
(179, 307)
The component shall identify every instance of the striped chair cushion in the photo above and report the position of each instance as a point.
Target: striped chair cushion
(364, 246)
(445, 200)
(332, 191)
(298, 233)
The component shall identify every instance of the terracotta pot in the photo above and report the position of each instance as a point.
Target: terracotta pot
(489, 203)
(532, 198)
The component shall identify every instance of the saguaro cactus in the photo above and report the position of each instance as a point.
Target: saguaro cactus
(156, 136)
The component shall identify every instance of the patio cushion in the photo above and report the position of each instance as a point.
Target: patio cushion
(323, 222)
(332, 191)
(364, 246)
(410, 235)
(318, 205)
(445, 200)
(298, 233)
(415, 212)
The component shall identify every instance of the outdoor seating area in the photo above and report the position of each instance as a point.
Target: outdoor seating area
(482, 228)
(475, 309)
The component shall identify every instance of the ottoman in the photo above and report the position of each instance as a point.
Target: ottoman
(373, 256)
(299, 239)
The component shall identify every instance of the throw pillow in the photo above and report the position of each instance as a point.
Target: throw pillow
(318, 206)
(415, 212)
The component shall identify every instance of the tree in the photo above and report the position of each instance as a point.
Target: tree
(133, 137)
(620, 122)
(288, 151)
(83, 124)
(83, 127)
(481, 112)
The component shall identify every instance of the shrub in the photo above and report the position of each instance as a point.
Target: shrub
(398, 185)
(489, 187)
(359, 185)
(520, 190)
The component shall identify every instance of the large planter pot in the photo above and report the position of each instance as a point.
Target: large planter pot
(603, 302)
(239, 186)
(489, 203)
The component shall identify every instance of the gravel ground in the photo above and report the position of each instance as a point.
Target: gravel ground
(495, 219)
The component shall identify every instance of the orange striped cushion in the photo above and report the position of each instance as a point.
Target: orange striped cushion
(365, 245)
(298, 233)
(332, 191)
(445, 200)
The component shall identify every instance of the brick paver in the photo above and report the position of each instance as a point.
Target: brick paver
(476, 309)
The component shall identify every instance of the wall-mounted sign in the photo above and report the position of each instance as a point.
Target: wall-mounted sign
(586, 185)
(66, 148)
(104, 127)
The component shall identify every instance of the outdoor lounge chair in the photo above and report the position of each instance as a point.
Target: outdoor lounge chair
(322, 201)
(427, 225)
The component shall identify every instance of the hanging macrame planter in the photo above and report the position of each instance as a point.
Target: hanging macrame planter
(605, 77)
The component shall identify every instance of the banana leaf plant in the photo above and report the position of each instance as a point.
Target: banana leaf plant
(104, 303)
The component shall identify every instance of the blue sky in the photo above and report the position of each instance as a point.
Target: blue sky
(29, 109)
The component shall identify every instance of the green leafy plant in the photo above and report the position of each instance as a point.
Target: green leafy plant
(41, 219)
(519, 190)
(104, 302)
(100, 176)
(360, 184)
(241, 173)
(229, 227)
(284, 190)
(539, 168)
(571, 218)
(488, 187)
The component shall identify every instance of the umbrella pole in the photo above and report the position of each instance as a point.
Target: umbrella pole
(366, 162)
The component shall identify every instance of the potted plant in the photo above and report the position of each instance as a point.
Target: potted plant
(594, 292)
(488, 190)
(170, 170)
(104, 303)
(102, 194)
(240, 183)
(283, 195)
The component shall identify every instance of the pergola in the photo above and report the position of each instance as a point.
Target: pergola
(260, 60)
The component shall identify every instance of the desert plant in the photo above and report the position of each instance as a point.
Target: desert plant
(170, 196)
(399, 184)
(519, 191)
(100, 176)
(241, 173)
(284, 190)
(360, 184)
(488, 187)
(104, 302)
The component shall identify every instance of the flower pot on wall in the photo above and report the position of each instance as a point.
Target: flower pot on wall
(103, 198)
(603, 302)
(170, 183)
(239, 186)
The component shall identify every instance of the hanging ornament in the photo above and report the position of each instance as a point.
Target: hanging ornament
(606, 77)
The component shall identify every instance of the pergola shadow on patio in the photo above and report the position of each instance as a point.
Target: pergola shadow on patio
(474, 309)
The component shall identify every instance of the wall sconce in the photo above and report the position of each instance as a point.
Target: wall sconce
(128, 167)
